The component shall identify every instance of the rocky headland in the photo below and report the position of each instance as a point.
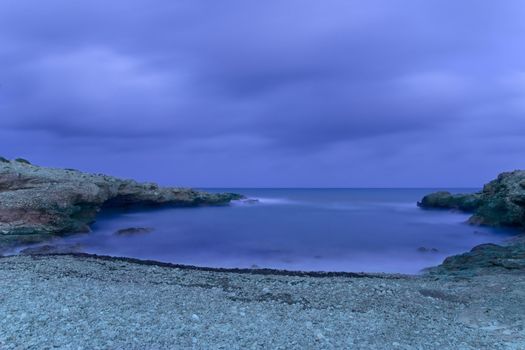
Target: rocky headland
(38, 203)
(501, 203)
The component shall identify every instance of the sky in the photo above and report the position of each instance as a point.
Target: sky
(274, 93)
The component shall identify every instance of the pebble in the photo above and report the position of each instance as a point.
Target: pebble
(319, 335)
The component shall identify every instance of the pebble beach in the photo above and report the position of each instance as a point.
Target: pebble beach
(89, 302)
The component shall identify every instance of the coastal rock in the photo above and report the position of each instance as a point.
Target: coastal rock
(500, 203)
(485, 256)
(133, 231)
(447, 200)
(37, 203)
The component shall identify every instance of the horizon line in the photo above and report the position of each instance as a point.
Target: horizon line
(338, 188)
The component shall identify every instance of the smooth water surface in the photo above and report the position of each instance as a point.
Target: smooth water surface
(371, 230)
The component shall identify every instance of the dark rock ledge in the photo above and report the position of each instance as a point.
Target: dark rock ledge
(38, 203)
(501, 203)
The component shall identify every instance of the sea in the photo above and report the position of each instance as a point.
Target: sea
(352, 230)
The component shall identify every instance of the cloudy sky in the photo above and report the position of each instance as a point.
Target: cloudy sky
(284, 93)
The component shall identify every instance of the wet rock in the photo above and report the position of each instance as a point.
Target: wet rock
(45, 202)
(133, 231)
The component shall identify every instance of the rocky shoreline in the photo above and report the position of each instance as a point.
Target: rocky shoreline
(501, 203)
(38, 203)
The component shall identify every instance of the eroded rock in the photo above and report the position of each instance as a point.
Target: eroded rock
(43, 202)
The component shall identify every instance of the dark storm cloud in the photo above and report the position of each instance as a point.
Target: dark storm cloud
(279, 84)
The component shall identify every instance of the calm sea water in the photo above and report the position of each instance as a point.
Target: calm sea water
(371, 230)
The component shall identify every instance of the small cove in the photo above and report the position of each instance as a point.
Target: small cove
(351, 230)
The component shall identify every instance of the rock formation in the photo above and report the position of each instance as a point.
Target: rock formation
(37, 203)
(500, 203)
(483, 257)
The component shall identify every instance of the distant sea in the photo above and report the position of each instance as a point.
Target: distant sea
(369, 230)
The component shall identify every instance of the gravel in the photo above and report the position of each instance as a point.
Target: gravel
(72, 302)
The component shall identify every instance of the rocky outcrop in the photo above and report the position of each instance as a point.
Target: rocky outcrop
(447, 200)
(37, 203)
(485, 257)
(500, 203)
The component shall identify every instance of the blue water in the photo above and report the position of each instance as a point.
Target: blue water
(371, 230)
